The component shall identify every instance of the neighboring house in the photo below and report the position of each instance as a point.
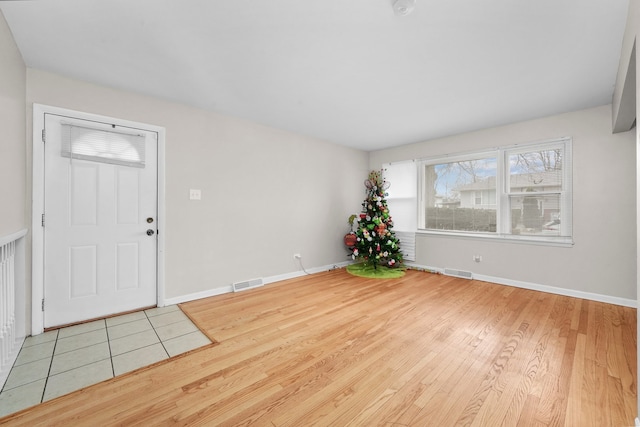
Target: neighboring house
(478, 195)
(444, 202)
(482, 193)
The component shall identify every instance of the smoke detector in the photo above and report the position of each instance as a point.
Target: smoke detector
(403, 7)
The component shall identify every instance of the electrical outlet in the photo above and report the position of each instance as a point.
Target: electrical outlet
(477, 258)
(195, 194)
(297, 256)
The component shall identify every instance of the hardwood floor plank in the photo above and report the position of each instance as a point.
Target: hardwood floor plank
(406, 388)
(558, 365)
(522, 393)
(442, 407)
(615, 402)
(527, 416)
(627, 354)
(573, 415)
(491, 384)
(331, 349)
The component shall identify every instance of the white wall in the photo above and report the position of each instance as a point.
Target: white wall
(12, 136)
(603, 259)
(625, 96)
(266, 193)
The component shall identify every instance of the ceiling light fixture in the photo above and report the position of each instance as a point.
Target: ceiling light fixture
(403, 7)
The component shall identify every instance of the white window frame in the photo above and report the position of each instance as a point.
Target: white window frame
(478, 155)
(503, 208)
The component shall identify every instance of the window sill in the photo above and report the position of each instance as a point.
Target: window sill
(565, 242)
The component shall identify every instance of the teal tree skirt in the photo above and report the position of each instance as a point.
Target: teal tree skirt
(367, 270)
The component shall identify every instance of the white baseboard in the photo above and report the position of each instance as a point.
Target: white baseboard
(542, 288)
(560, 291)
(271, 279)
(198, 295)
(312, 270)
(491, 279)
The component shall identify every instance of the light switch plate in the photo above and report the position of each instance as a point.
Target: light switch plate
(195, 194)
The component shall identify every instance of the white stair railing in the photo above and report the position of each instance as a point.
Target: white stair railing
(12, 303)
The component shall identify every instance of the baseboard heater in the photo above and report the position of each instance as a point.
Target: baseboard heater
(458, 273)
(407, 245)
(248, 284)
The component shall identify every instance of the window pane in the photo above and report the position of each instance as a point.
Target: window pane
(402, 179)
(103, 146)
(536, 215)
(536, 171)
(461, 195)
(403, 213)
(402, 194)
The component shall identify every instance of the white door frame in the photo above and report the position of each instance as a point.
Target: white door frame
(37, 231)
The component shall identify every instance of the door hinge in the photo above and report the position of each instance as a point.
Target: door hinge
(43, 220)
(44, 135)
(42, 304)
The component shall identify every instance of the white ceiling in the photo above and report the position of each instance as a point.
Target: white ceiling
(345, 71)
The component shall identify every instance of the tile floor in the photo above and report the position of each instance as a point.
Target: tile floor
(61, 361)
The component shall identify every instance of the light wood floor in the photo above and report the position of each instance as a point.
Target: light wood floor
(334, 350)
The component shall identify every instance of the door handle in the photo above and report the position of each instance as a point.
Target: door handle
(150, 232)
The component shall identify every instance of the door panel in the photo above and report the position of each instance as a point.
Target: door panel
(127, 263)
(83, 193)
(128, 196)
(98, 259)
(82, 271)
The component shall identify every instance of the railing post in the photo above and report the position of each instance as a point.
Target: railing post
(11, 331)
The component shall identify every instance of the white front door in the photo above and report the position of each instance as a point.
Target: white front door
(100, 219)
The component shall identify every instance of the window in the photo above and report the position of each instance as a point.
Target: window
(402, 203)
(536, 190)
(96, 145)
(459, 194)
(401, 194)
(520, 192)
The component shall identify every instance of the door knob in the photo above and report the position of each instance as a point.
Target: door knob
(150, 232)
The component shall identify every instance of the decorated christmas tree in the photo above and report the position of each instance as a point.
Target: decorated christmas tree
(376, 243)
